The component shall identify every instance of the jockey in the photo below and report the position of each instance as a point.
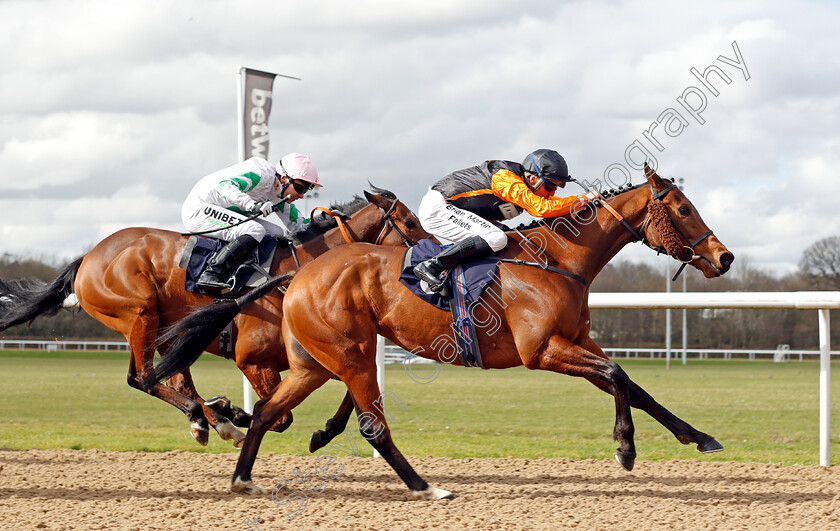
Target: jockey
(231, 195)
(458, 206)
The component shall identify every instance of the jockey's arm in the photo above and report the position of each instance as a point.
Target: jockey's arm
(510, 187)
(292, 218)
(231, 190)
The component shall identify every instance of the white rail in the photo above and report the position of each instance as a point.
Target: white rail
(36, 344)
(394, 354)
(822, 301)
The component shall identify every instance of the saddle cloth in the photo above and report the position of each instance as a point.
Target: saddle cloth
(466, 282)
(477, 274)
(199, 250)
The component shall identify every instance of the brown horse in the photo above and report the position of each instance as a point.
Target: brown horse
(131, 283)
(335, 307)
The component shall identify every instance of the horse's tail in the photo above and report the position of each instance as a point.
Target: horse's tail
(23, 301)
(189, 337)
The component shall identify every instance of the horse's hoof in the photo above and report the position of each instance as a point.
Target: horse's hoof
(315, 443)
(246, 487)
(627, 461)
(432, 493)
(218, 403)
(201, 435)
(710, 446)
(228, 432)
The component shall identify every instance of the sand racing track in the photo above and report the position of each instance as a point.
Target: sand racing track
(92, 489)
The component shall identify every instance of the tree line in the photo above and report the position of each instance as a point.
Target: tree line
(819, 269)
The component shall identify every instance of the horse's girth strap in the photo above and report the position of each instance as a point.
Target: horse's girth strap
(337, 220)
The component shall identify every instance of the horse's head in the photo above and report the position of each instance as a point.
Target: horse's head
(676, 226)
(401, 226)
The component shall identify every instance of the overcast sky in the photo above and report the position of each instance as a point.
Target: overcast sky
(109, 114)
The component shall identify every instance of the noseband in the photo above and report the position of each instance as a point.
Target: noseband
(674, 251)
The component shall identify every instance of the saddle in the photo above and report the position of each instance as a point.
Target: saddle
(251, 273)
(465, 282)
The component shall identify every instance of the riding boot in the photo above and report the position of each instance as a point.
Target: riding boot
(431, 270)
(217, 276)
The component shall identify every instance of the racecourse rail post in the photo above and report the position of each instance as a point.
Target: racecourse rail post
(247, 391)
(825, 387)
(380, 372)
(668, 319)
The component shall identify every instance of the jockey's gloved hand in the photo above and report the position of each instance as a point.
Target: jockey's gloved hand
(592, 195)
(339, 214)
(263, 207)
(320, 216)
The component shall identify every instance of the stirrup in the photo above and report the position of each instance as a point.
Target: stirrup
(212, 281)
(425, 272)
(438, 282)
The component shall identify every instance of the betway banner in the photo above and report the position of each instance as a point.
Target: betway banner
(257, 102)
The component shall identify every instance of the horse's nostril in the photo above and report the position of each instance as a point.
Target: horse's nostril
(726, 260)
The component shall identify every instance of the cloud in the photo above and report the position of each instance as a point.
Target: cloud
(139, 96)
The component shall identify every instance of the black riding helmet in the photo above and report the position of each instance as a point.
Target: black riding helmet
(548, 165)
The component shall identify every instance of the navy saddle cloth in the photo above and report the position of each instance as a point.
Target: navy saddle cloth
(477, 274)
(199, 250)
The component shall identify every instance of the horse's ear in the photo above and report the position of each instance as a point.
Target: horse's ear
(378, 200)
(654, 179)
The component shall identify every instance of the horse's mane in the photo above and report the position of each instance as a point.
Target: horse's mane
(347, 208)
(608, 194)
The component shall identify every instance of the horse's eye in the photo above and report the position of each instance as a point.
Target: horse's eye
(684, 210)
(410, 224)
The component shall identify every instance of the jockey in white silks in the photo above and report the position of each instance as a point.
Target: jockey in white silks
(224, 199)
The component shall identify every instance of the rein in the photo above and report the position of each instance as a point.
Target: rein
(544, 267)
(389, 222)
(337, 220)
(247, 219)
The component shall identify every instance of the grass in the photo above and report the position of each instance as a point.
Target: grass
(760, 411)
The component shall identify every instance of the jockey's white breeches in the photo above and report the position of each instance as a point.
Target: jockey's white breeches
(199, 216)
(447, 221)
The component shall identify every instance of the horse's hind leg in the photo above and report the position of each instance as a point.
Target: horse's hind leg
(373, 427)
(183, 383)
(141, 375)
(300, 382)
(334, 427)
(264, 377)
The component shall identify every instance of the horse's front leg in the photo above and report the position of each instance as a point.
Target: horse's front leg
(561, 355)
(334, 427)
(640, 399)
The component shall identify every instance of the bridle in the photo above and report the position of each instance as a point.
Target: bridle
(389, 222)
(386, 216)
(640, 233)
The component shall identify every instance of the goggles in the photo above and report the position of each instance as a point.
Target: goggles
(550, 186)
(302, 187)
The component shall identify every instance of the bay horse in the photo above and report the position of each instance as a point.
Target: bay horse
(131, 283)
(336, 305)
